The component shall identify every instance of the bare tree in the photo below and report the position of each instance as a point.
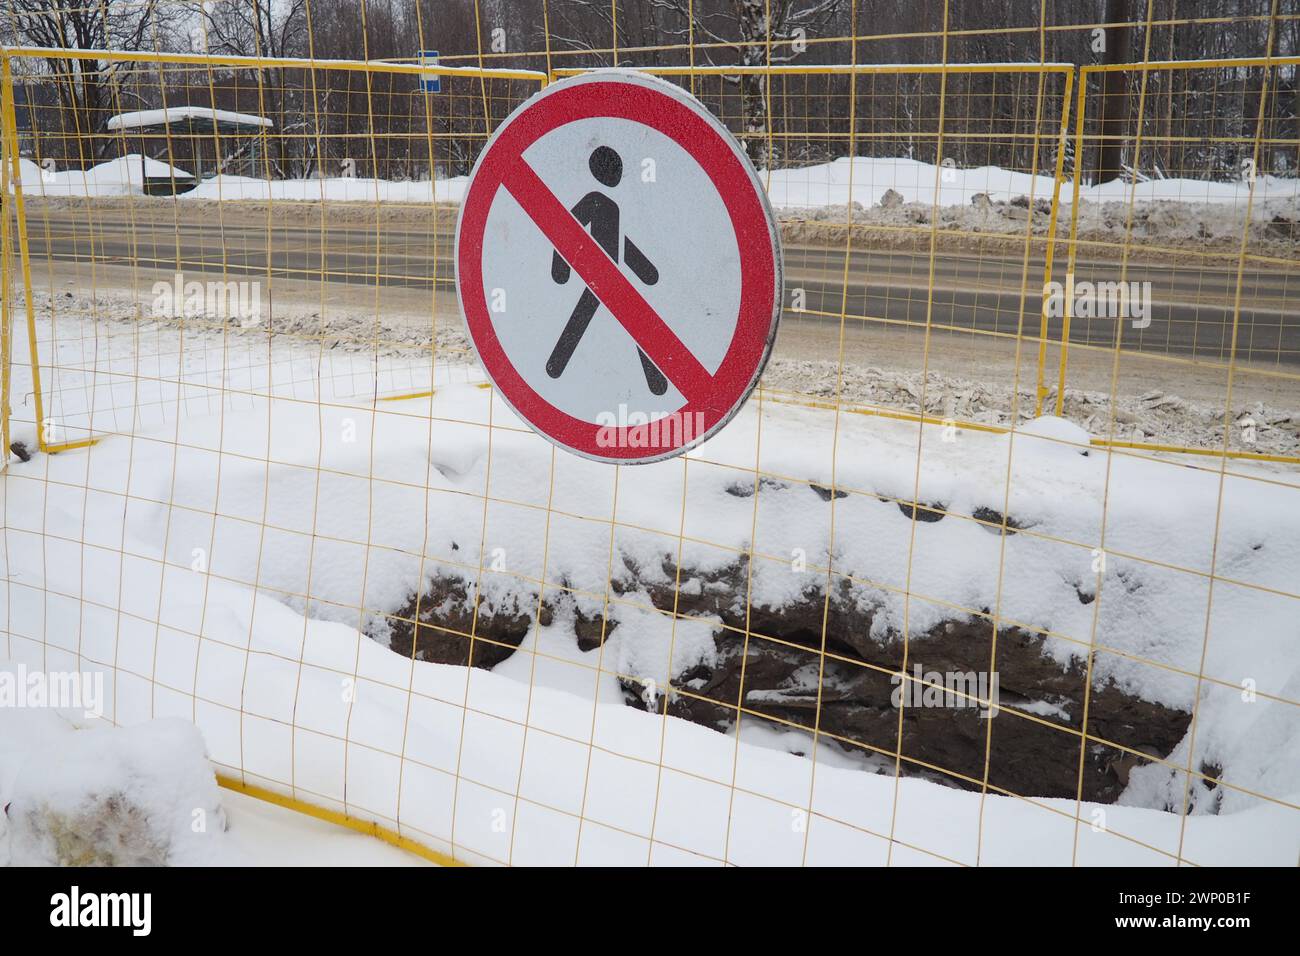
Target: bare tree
(791, 22)
(263, 28)
(89, 87)
(738, 32)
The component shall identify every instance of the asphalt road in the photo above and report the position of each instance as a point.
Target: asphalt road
(1190, 311)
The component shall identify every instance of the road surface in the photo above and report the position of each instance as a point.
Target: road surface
(1191, 301)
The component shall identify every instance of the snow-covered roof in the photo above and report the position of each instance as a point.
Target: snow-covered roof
(184, 114)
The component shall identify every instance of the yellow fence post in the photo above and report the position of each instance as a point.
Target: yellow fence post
(1041, 390)
(10, 132)
(5, 297)
(1067, 304)
(1085, 73)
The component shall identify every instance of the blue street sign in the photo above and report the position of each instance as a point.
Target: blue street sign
(430, 83)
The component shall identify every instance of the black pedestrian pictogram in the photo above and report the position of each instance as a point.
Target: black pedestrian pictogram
(601, 213)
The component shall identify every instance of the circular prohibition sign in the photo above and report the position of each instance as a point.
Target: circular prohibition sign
(697, 295)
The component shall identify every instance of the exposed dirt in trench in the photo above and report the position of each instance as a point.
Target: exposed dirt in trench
(1032, 742)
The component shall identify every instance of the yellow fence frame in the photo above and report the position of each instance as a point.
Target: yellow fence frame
(8, 130)
(1075, 93)
(1064, 70)
(10, 173)
(1100, 69)
(1072, 94)
(9, 135)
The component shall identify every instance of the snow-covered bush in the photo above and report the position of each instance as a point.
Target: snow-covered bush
(99, 795)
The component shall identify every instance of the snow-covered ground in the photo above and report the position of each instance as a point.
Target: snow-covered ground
(861, 180)
(267, 835)
(116, 177)
(219, 561)
(865, 181)
(122, 177)
(76, 789)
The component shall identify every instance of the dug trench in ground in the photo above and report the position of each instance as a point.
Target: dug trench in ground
(852, 698)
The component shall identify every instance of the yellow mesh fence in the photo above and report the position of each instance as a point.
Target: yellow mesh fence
(1031, 420)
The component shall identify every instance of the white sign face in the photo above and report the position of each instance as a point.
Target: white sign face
(618, 267)
(430, 82)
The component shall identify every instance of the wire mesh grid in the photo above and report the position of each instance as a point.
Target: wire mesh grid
(286, 504)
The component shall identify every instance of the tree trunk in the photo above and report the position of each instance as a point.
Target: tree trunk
(1295, 115)
(1114, 111)
(753, 89)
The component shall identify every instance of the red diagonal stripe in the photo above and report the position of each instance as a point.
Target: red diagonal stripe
(604, 278)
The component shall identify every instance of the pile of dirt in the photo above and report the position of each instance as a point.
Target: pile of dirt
(1151, 416)
(1146, 230)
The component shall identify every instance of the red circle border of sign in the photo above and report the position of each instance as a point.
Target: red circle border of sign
(755, 242)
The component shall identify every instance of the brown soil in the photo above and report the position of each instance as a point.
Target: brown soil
(778, 670)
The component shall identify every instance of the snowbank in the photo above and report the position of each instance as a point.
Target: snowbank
(336, 189)
(864, 180)
(84, 793)
(859, 180)
(116, 177)
(120, 177)
(81, 792)
(1190, 191)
